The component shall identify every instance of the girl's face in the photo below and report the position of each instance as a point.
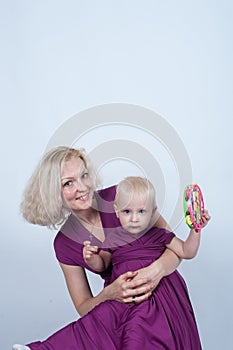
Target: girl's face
(77, 186)
(135, 214)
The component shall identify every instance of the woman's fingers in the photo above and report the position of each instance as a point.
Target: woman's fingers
(137, 299)
(128, 276)
(136, 291)
(127, 290)
(139, 284)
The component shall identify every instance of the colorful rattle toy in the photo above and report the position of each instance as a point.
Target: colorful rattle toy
(193, 206)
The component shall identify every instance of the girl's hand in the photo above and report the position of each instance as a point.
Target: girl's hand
(205, 217)
(89, 250)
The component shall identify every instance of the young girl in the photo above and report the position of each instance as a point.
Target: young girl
(166, 320)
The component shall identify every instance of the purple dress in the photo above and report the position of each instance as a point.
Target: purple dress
(165, 321)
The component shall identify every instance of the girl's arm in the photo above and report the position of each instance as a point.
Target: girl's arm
(188, 249)
(97, 261)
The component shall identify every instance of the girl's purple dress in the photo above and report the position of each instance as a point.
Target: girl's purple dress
(165, 321)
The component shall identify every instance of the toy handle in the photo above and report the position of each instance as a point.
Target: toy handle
(193, 206)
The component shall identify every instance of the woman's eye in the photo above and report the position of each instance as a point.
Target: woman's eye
(85, 175)
(67, 184)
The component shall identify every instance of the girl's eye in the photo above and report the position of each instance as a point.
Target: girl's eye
(126, 211)
(142, 211)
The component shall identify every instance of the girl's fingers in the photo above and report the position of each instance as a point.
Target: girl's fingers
(90, 248)
(93, 248)
(206, 214)
(205, 217)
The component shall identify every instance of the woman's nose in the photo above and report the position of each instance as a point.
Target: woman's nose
(80, 186)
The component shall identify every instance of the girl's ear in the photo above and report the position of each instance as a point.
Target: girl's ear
(116, 211)
(154, 210)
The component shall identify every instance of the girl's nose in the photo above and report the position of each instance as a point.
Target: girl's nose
(134, 217)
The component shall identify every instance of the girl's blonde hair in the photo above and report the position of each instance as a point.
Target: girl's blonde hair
(42, 202)
(135, 186)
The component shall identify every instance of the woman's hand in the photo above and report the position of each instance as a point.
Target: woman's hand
(127, 289)
(137, 286)
(164, 266)
(153, 273)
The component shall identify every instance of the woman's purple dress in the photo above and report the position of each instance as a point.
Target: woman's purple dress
(165, 321)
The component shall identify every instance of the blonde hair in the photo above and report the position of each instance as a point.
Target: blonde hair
(135, 185)
(42, 202)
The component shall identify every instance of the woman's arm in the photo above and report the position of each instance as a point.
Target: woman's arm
(139, 283)
(78, 288)
(119, 290)
(164, 266)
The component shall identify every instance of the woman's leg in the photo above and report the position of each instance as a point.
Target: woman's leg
(95, 331)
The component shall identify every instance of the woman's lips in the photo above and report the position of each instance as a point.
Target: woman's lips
(83, 198)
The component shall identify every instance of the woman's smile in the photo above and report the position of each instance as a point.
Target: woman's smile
(77, 186)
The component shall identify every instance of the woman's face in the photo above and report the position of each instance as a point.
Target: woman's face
(77, 186)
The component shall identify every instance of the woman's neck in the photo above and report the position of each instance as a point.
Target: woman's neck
(89, 216)
(90, 219)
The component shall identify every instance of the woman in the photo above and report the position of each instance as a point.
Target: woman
(62, 191)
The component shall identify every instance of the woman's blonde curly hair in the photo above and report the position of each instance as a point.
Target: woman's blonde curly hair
(42, 202)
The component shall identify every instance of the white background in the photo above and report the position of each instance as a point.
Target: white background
(62, 57)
